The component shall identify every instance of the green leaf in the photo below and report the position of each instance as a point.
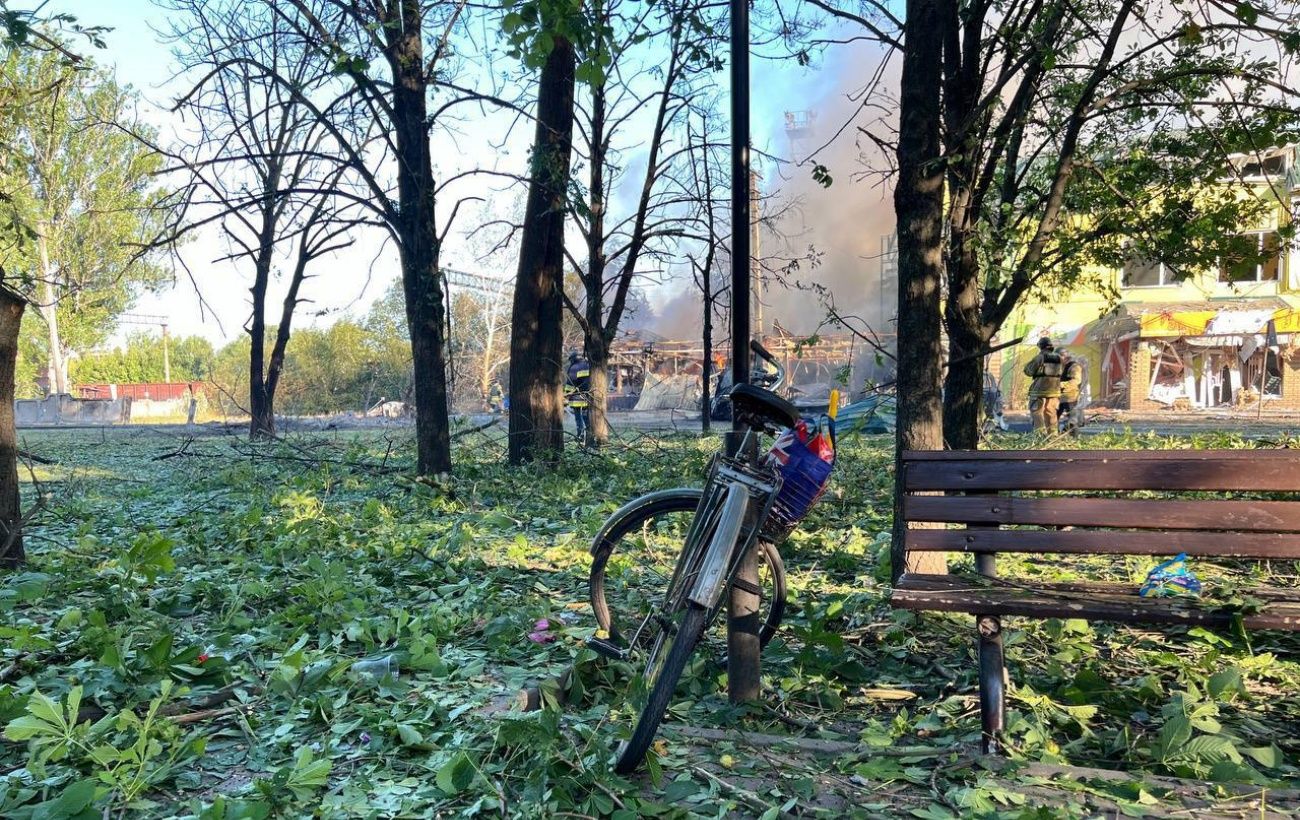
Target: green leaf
(409, 734)
(1226, 684)
(28, 727)
(1176, 731)
(1268, 756)
(72, 802)
(456, 775)
(308, 774)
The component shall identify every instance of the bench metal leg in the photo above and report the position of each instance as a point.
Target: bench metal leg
(992, 682)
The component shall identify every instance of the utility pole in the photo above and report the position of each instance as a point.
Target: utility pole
(742, 606)
(153, 319)
(756, 260)
(167, 358)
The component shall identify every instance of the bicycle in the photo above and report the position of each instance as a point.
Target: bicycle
(732, 512)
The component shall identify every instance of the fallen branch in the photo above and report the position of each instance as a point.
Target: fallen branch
(30, 456)
(810, 745)
(92, 712)
(529, 698)
(208, 714)
(492, 422)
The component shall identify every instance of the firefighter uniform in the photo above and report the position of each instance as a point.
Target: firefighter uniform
(577, 392)
(1045, 391)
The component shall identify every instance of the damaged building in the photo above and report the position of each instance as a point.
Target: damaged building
(1219, 338)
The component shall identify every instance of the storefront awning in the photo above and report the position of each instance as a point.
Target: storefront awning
(1172, 324)
(1232, 320)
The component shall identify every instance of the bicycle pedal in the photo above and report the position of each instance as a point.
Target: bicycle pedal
(607, 648)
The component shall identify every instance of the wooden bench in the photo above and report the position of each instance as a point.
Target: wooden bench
(1037, 493)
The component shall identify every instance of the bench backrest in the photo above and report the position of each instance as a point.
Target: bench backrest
(976, 488)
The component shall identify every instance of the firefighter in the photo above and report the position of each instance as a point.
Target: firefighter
(577, 392)
(1071, 386)
(1045, 391)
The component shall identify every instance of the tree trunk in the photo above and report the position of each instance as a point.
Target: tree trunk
(598, 405)
(537, 332)
(963, 385)
(260, 404)
(706, 385)
(918, 204)
(595, 337)
(421, 279)
(56, 370)
(275, 367)
(11, 536)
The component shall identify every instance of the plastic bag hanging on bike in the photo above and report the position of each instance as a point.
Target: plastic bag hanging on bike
(805, 461)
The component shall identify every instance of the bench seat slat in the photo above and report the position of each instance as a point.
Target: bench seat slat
(1093, 602)
(1108, 542)
(1119, 513)
(1223, 475)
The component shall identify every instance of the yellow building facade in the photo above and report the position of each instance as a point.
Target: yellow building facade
(1217, 339)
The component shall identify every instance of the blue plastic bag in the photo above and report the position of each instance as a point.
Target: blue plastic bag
(1171, 578)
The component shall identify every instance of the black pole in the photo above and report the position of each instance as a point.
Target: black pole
(740, 215)
(742, 606)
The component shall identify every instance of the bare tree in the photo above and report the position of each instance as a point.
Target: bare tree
(632, 112)
(704, 171)
(389, 57)
(257, 165)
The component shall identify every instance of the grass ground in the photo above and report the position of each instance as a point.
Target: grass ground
(191, 636)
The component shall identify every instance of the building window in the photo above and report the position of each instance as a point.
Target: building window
(1246, 265)
(1144, 272)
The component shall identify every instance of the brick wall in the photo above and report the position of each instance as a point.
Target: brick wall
(1139, 378)
(1290, 379)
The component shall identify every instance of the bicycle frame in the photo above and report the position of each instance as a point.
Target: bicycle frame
(726, 507)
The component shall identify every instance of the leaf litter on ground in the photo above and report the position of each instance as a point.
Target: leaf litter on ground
(300, 629)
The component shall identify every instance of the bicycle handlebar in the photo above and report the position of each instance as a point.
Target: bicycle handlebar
(766, 355)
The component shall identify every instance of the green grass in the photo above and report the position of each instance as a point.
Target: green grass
(266, 572)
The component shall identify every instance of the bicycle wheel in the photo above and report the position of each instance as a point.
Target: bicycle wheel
(690, 603)
(672, 650)
(643, 538)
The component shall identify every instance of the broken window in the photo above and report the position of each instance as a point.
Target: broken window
(1257, 258)
(1144, 272)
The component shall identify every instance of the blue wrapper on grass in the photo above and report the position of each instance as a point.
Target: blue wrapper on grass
(1170, 578)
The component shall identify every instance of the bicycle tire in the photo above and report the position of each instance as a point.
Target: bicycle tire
(632, 751)
(631, 517)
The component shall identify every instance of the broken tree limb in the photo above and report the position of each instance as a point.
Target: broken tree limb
(492, 422)
(530, 698)
(213, 699)
(210, 714)
(811, 745)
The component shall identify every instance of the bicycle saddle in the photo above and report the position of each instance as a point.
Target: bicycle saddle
(755, 403)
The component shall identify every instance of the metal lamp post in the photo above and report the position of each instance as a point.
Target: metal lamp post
(742, 606)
